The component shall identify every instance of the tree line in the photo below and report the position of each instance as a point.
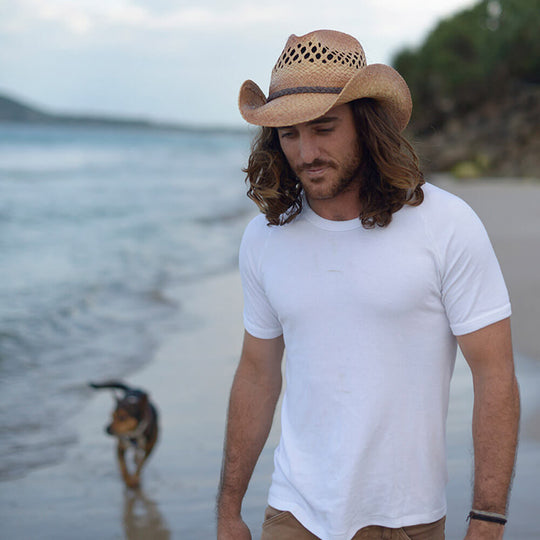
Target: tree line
(478, 54)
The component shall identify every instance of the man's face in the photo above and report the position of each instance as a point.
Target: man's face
(324, 154)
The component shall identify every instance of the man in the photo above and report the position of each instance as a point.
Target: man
(369, 278)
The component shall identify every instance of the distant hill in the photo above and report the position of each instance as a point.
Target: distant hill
(14, 110)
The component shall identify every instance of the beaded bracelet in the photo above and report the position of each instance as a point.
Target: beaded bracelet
(487, 516)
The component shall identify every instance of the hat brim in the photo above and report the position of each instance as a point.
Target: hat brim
(377, 81)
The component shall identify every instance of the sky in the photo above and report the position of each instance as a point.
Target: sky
(180, 60)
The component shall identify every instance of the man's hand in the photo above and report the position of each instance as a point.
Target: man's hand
(232, 529)
(484, 530)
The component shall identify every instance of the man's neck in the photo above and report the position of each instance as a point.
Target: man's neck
(343, 207)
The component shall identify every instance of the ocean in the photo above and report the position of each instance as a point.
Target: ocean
(97, 226)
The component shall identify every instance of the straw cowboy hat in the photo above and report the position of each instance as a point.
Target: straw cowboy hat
(319, 71)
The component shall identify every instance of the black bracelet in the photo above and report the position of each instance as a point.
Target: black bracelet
(487, 516)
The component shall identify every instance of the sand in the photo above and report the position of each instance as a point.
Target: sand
(189, 378)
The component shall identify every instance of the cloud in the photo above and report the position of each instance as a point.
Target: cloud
(85, 17)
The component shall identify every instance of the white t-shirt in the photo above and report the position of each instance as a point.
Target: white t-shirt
(368, 318)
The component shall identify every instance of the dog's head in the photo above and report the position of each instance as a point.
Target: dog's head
(128, 413)
(132, 406)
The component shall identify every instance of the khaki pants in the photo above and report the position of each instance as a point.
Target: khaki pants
(284, 526)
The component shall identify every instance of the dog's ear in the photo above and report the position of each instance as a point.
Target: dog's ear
(144, 399)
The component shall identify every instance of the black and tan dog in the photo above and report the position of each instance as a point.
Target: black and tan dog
(135, 425)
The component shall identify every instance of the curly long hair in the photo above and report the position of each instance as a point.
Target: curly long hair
(390, 174)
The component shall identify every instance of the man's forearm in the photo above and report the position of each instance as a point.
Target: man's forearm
(495, 434)
(251, 410)
(488, 352)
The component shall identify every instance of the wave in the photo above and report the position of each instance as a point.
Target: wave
(98, 229)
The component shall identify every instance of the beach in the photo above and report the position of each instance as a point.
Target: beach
(189, 377)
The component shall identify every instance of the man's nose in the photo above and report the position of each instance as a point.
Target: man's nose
(309, 149)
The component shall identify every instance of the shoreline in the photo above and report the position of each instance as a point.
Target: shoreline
(189, 379)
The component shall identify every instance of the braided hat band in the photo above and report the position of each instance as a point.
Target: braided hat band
(317, 72)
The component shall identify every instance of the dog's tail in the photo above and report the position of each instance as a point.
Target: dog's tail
(111, 384)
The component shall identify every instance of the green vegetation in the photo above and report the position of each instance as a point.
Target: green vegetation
(474, 56)
(474, 168)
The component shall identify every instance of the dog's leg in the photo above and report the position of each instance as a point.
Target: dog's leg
(130, 481)
(139, 458)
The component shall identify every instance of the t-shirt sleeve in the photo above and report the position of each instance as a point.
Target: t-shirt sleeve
(260, 319)
(473, 288)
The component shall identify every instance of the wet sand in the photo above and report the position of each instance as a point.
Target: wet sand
(189, 379)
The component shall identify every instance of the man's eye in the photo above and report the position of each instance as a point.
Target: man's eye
(286, 134)
(325, 130)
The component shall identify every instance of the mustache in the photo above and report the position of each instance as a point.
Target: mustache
(314, 165)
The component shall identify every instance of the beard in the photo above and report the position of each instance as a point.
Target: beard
(338, 177)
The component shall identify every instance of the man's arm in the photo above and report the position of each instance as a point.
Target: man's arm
(488, 352)
(254, 395)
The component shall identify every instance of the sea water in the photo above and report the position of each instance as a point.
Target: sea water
(97, 225)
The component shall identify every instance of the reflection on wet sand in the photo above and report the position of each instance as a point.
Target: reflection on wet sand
(142, 518)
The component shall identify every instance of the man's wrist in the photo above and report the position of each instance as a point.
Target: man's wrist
(229, 507)
(490, 517)
(484, 530)
(228, 511)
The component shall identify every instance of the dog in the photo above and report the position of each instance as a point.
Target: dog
(135, 426)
